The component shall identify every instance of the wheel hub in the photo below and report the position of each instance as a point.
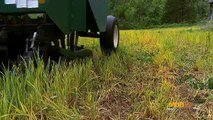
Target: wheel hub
(116, 36)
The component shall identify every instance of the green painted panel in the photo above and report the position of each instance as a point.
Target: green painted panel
(100, 11)
(68, 15)
(78, 15)
(59, 12)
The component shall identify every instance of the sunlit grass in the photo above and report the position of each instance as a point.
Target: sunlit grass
(151, 68)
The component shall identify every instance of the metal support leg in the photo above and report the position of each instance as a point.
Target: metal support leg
(73, 41)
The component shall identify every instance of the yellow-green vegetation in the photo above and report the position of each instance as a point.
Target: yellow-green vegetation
(151, 69)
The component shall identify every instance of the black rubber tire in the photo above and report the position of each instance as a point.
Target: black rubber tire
(107, 38)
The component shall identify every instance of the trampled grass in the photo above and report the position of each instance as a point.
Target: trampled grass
(151, 69)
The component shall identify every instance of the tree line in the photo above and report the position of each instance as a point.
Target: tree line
(144, 13)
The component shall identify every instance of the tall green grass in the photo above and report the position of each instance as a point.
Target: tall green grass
(151, 69)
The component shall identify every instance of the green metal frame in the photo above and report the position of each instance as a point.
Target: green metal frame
(69, 15)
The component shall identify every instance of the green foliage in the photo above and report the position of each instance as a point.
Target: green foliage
(210, 83)
(137, 13)
(146, 13)
(177, 11)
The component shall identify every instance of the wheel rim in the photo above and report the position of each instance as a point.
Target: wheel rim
(116, 36)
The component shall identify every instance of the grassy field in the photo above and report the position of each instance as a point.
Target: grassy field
(152, 69)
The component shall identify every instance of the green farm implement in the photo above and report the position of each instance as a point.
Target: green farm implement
(52, 27)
